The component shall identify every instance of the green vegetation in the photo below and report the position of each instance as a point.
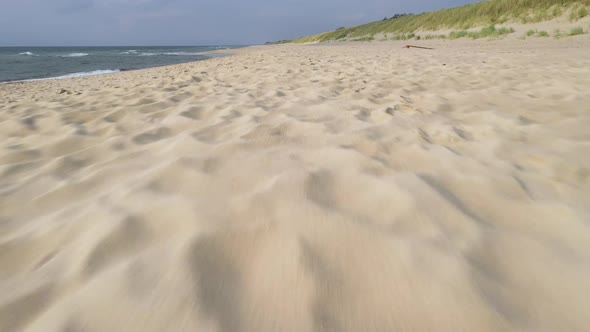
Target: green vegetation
(573, 32)
(488, 32)
(429, 37)
(576, 31)
(403, 36)
(368, 38)
(578, 13)
(278, 42)
(537, 33)
(487, 13)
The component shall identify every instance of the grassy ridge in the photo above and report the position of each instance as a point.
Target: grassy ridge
(486, 13)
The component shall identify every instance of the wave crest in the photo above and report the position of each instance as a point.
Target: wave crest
(172, 54)
(74, 55)
(74, 75)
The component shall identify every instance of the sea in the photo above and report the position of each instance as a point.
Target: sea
(40, 63)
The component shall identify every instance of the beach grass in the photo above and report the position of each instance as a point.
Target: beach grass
(578, 13)
(486, 32)
(429, 37)
(404, 36)
(537, 33)
(366, 38)
(486, 13)
(576, 31)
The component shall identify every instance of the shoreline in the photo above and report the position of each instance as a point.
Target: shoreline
(209, 54)
(570, 42)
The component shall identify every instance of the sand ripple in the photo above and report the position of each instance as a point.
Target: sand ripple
(357, 187)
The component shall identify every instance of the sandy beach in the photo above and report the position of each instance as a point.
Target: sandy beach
(343, 187)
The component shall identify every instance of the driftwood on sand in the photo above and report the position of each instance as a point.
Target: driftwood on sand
(422, 47)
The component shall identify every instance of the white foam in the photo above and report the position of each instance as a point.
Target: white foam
(182, 53)
(74, 55)
(172, 54)
(74, 75)
(130, 52)
(28, 53)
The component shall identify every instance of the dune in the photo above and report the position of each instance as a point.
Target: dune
(482, 19)
(345, 187)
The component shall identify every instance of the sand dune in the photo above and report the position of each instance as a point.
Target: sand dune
(350, 187)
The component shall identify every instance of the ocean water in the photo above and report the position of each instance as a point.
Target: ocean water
(31, 63)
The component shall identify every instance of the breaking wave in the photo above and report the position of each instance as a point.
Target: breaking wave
(74, 55)
(171, 54)
(74, 75)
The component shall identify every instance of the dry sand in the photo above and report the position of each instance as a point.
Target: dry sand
(351, 187)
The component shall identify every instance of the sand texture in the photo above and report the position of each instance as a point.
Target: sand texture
(347, 187)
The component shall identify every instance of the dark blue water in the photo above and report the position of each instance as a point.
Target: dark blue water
(25, 63)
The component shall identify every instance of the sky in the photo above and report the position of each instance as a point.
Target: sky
(188, 22)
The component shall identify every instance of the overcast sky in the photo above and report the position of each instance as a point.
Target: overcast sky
(188, 22)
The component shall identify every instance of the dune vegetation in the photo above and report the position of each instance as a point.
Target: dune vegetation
(482, 14)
